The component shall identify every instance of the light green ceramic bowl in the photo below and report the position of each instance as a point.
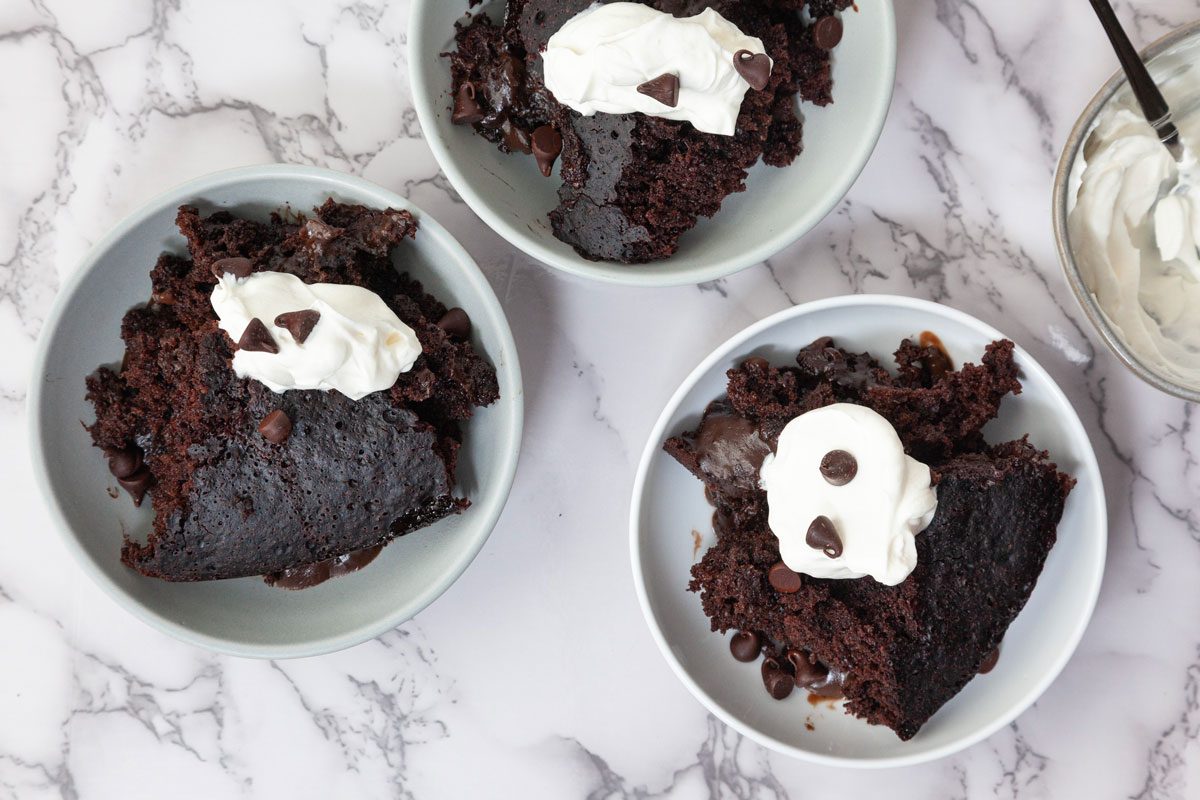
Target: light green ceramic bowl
(245, 616)
(778, 207)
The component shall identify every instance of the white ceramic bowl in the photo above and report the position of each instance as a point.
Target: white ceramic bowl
(668, 503)
(245, 616)
(779, 206)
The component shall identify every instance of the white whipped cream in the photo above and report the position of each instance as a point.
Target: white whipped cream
(596, 61)
(358, 346)
(877, 514)
(1137, 252)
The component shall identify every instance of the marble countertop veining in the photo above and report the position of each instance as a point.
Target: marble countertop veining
(535, 675)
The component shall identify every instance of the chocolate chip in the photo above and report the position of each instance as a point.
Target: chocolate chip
(456, 324)
(546, 145)
(989, 662)
(939, 364)
(137, 485)
(276, 427)
(664, 89)
(839, 467)
(745, 645)
(298, 323)
(827, 32)
(516, 138)
(757, 363)
(316, 233)
(466, 108)
(237, 266)
(822, 535)
(755, 68)
(257, 339)
(124, 463)
(778, 682)
(783, 579)
(808, 671)
(162, 298)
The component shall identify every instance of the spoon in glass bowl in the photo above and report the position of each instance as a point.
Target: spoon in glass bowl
(1176, 215)
(1153, 104)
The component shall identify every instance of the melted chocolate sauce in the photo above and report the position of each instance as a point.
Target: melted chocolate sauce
(989, 663)
(828, 689)
(939, 363)
(729, 449)
(309, 575)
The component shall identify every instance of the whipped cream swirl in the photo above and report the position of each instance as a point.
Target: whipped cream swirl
(1134, 243)
(875, 513)
(357, 346)
(599, 58)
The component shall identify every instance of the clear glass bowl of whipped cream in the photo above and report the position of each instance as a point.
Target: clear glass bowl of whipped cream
(1127, 220)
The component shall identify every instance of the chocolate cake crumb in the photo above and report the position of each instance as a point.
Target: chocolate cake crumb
(325, 476)
(634, 184)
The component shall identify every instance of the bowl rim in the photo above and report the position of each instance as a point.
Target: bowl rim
(332, 181)
(425, 101)
(1060, 199)
(1088, 466)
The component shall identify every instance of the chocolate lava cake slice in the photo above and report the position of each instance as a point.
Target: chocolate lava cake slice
(235, 493)
(900, 651)
(633, 184)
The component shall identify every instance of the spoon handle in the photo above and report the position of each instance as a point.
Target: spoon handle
(1154, 106)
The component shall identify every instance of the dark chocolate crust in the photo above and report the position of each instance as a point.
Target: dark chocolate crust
(905, 649)
(351, 474)
(633, 184)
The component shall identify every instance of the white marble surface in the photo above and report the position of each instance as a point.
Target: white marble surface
(534, 675)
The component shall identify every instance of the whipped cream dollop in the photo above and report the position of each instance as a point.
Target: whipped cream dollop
(357, 345)
(1136, 245)
(599, 58)
(844, 464)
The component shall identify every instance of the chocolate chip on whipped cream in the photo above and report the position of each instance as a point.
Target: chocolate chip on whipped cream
(755, 68)
(823, 536)
(664, 89)
(839, 467)
(298, 323)
(256, 338)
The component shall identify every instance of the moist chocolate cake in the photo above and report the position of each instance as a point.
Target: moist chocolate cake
(899, 652)
(632, 183)
(245, 481)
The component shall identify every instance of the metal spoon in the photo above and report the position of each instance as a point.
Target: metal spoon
(1154, 106)
(1174, 214)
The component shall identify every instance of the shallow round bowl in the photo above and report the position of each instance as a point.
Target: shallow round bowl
(668, 504)
(245, 616)
(778, 207)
